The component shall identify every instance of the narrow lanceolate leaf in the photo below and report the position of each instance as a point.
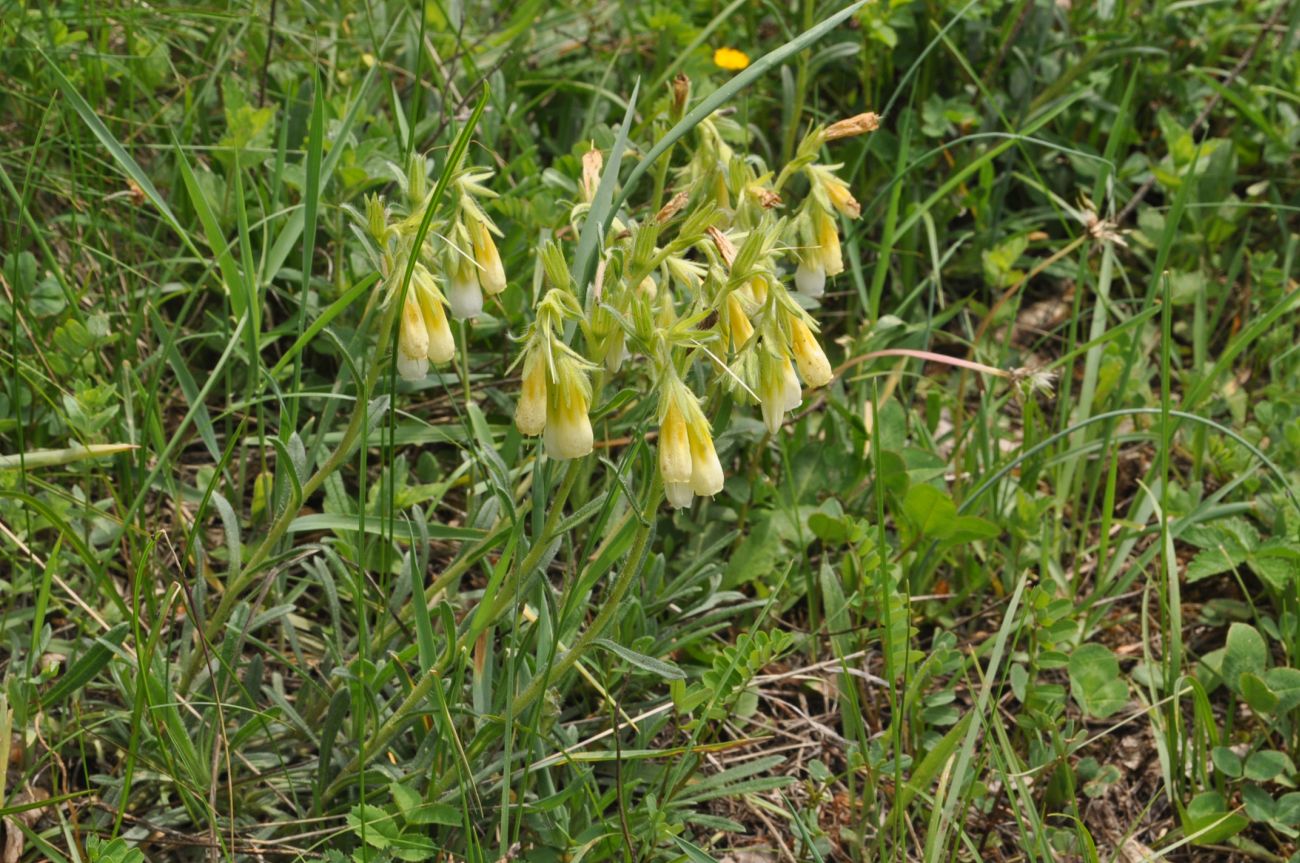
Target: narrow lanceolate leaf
(603, 208)
(86, 666)
(53, 457)
(666, 670)
(124, 161)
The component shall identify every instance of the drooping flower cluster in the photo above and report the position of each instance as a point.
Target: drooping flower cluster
(705, 297)
(556, 396)
(698, 283)
(457, 250)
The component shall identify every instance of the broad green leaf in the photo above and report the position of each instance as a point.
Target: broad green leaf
(375, 825)
(1267, 764)
(971, 528)
(1228, 762)
(1256, 693)
(931, 512)
(1207, 821)
(1285, 683)
(1260, 805)
(435, 813)
(1246, 652)
(1095, 682)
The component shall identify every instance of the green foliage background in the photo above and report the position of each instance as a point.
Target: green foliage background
(943, 615)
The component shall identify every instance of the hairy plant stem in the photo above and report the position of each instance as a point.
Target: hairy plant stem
(273, 536)
(613, 602)
(414, 700)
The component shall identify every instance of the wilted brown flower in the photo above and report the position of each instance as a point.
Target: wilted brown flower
(859, 124)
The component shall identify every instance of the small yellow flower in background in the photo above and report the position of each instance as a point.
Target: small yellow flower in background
(730, 59)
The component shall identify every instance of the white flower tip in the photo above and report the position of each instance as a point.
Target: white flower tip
(569, 437)
(412, 368)
(679, 494)
(810, 281)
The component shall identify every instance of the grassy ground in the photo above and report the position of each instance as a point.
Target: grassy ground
(1020, 583)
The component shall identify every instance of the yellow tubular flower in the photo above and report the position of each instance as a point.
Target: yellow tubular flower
(441, 345)
(778, 389)
(464, 295)
(792, 392)
(412, 343)
(842, 199)
(675, 457)
(530, 412)
(813, 365)
(828, 238)
(491, 275)
(568, 428)
(739, 328)
(706, 470)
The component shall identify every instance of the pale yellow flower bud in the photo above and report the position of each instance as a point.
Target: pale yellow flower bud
(441, 343)
(792, 393)
(491, 275)
(412, 343)
(842, 199)
(530, 412)
(706, 470)
(828, 239)
(615, 349)
(687, 460)
(568, 428)
(464, 295)
(808, 353)
(778, 390)
(674, 448)
(739, 328)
